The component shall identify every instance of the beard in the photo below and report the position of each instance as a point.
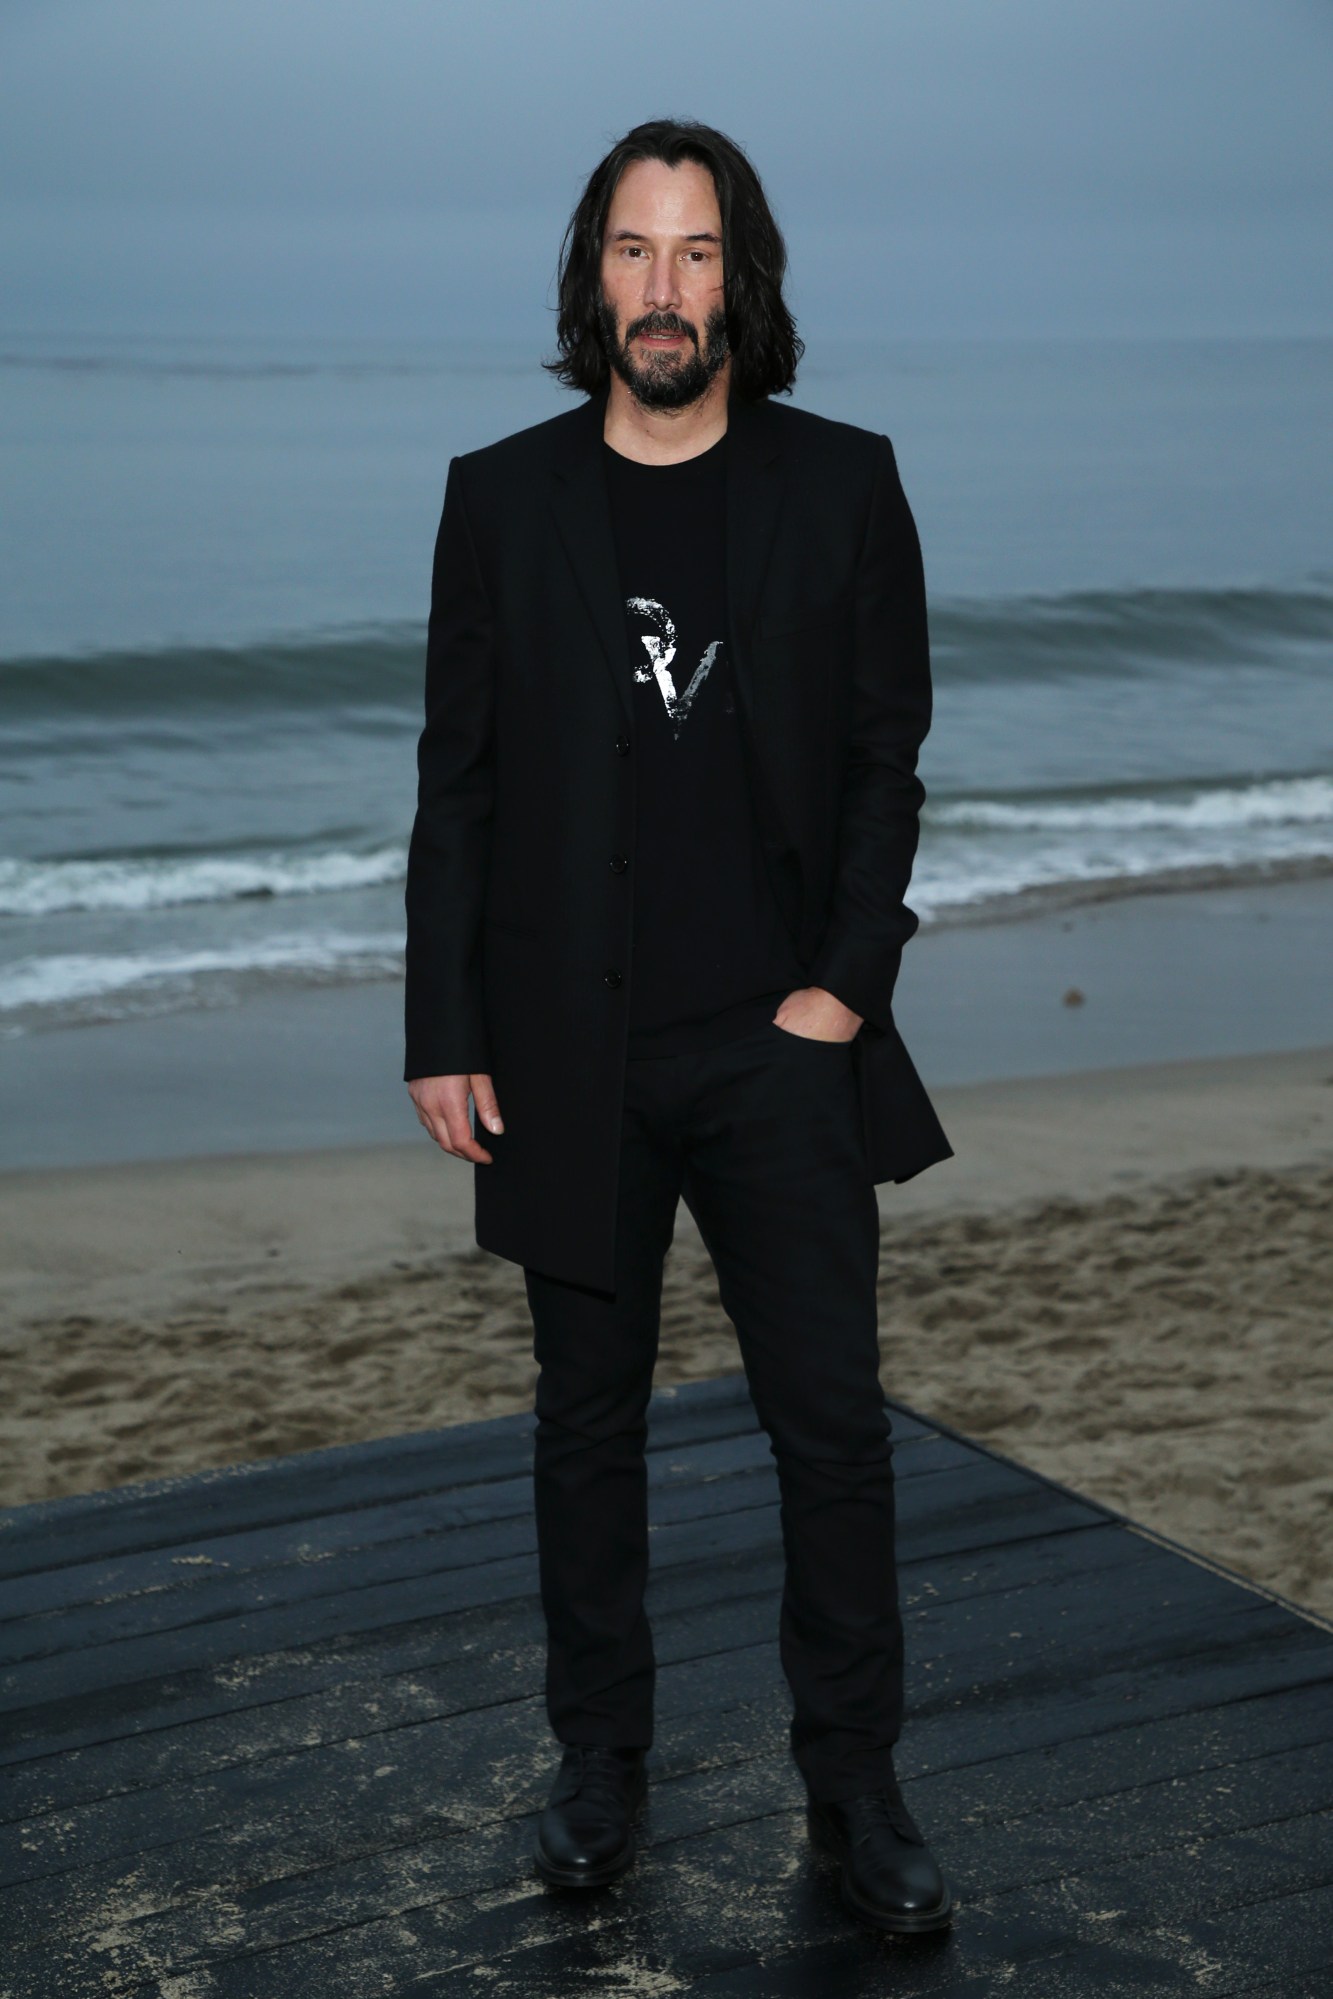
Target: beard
(665, 381)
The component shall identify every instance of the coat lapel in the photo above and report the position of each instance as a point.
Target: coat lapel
(755, 488)
(754, 501)
(583, 522)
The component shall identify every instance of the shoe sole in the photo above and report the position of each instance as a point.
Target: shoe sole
(912, 1922)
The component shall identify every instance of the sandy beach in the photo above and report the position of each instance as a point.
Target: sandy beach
(1122, 1280)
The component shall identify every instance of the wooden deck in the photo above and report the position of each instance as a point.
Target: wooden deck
(277, 1733)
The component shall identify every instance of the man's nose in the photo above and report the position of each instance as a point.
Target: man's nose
(662, 290)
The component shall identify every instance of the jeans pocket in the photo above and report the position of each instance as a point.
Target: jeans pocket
(810, 1040)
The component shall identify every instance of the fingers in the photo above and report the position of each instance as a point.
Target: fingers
(488, 1110)
(816, 1015)
(441, 1108)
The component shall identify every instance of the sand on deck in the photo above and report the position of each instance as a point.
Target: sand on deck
(1123, 1280)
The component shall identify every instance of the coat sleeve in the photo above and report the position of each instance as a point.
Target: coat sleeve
(449, 852)
(869, 921)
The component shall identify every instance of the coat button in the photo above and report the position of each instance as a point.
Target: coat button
(611, 979)
(622, 746)
(618, 864)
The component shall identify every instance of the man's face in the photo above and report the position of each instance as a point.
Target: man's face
(662, 317)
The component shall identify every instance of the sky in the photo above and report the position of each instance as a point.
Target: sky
(941, 168)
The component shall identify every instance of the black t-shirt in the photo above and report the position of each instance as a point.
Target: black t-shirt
(711, 955)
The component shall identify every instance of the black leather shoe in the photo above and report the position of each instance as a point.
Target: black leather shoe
(889, 1876)
(585, 1836)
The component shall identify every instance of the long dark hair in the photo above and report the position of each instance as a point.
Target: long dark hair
(761, 333)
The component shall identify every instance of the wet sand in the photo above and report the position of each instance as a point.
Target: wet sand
(1123, 1280)
(1163, 977)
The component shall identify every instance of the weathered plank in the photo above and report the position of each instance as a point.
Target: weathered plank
(988, 1502)
(312, 1763)
(150, 1589)
(692, 1607)
(171, 1512)
(748, 1888)
(477, 1624)
(974, 1692)
(1208, 1774)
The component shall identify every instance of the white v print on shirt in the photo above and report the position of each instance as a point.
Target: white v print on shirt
(660, 646)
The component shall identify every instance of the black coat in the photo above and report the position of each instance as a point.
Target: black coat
(518, 929)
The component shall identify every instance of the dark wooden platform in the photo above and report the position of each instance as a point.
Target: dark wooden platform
(277, 1733)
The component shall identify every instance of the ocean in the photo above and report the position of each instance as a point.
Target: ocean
(214, 575)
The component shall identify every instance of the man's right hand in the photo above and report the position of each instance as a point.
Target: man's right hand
(441, 1105)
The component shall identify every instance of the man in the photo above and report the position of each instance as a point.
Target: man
(676, 683)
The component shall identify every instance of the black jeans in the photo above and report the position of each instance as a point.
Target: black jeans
(762, 1137)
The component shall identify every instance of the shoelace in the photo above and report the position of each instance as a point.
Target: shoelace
(603, 1777)
(870, 1815)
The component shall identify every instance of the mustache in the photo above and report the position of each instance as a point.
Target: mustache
(661, 322)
